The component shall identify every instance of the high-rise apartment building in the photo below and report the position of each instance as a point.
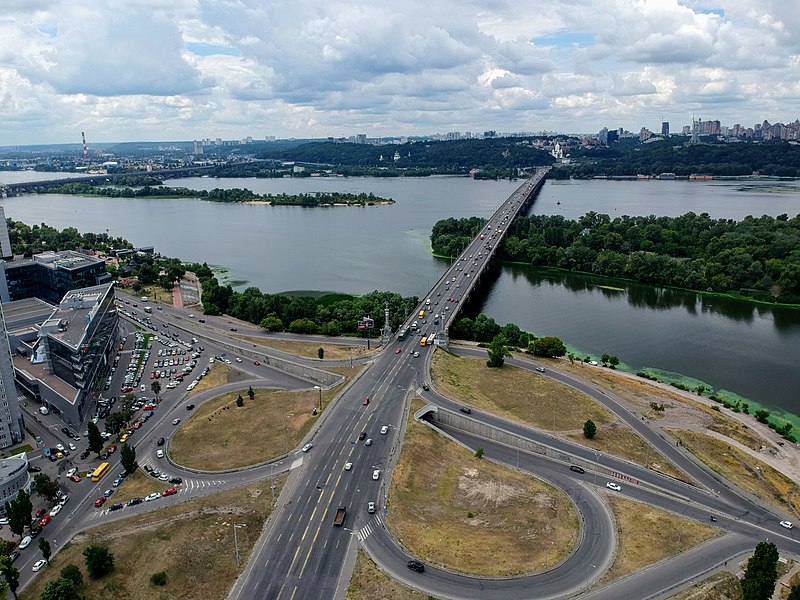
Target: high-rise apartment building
(12, 426)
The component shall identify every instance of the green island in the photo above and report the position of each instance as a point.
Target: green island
(756, 258)
(151, 190)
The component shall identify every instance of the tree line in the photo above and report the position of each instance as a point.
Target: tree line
(758, 257)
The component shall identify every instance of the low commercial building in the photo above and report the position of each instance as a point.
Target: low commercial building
(14, 477)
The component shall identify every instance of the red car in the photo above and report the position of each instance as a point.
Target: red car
(45, 520)
(152, 375)
(75, 478)
(169, 492)
(149, 407)
(256, 363)
(112, 449)
(100, 501)
(366, 401)
(397, 351)
(40, 512)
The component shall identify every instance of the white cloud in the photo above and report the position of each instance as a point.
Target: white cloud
(131, 69)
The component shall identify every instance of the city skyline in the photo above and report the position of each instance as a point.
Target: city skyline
(156, 70)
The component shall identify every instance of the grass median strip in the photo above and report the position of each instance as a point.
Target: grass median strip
(474, 516)
(331, 351)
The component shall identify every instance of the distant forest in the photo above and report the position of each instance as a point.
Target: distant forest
(757, 257)
(630, 157)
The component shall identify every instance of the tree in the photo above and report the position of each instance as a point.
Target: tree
(128, 457)
(60, 589)
(95, 439)
(498, 351)
(761, 573)
(604, 359)
(321, 352)
(613, 361)
(155, 387)
(10, 573)
(99, 561)
(44, 546)
(250, 393)
(589, 429)
(794, 594)
(115, 421)
(271, 323)
(549, 346)
(44, 486)
(479, 452)
(19, 512)
(73, 573)
(240, 401)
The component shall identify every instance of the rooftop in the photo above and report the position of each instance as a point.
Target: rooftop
(11, 466)
(70, 321)
(34, 371)
(65, 259)
(21, 314)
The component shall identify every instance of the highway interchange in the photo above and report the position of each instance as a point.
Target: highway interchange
(302, 555)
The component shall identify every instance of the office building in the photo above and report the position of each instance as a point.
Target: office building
(12, 425)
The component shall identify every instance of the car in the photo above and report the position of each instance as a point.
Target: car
(540, 369)
(56, 509)
(384, 430)
(160, 454)
(348, 466)
(712, 518)
(108, 492)
(72, 471)
(366, 401)
(368, 442)
(466, 410)
(164, 477)
(189, 406)
(416, 354)
(32, 469)
(787, 524)
(14, 555)
(60, 447)
(175, 421)
(100, 501)
(26, 541)
(65, 431)
(398, 351)
(134, 501)
(577, 469)
(256, 363)
(169, 492)
(416, 566)
(41, 512)
(307, 447)
(117, 482)
(161, 441)
(238, 359)
(425, 387)
(370, 507)
(37, 566)
(151, 497)
(362, 435)
(234, 329)
(45, 520)
(613, 486)
(3, 520)
(376, 474)
(115, 506)
(176, 480)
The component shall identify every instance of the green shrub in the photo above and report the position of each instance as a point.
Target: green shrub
(159, 578)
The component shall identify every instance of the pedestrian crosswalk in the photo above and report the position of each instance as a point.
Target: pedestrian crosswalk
(367, 529)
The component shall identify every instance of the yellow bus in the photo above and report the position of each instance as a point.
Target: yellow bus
(422, 314)
(98, 473)
(423, 341)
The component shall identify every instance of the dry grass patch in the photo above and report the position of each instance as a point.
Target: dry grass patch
(370, 583)
(332, 350)
(156, 292)
(218, 374)
(136, 485)
(648, 535)
(474, 515)
(747, 472)
(192, 542)
(516, 394)
(719, 585)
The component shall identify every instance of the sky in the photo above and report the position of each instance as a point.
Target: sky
(134, 70)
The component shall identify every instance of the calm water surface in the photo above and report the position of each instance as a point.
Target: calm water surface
(749, 350)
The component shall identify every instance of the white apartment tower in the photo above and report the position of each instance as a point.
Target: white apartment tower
(5, 243)
(12, 426)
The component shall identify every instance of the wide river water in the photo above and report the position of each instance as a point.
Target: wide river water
(747, 349)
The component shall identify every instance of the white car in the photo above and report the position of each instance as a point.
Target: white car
(37, 566)
(613, 486)
(176, 421)
(72, 471)
(370, 507)
(416, 354)
(348, 466)
(26, 541)
(368, 442)
(787, 524)
(384, 430)
(160, 453)
(72, 447)
(307, 447)
(376, 474)
(238, 359)
(56, 510)
(151, 497)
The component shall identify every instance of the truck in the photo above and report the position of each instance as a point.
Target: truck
(341, 515)
(148, 310)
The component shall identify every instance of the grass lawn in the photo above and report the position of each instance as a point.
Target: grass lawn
(333, 351)
(648, 535)
(220, 435)
(136, 485)
(370, 583)
(156, 292)
(747, 472)
(218, 374)
(719, 585)
(516, 394)
(192, 542)
(446, 506)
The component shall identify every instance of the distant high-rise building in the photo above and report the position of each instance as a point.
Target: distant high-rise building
(489, 134)
(12, 426)
(361, 138)
(664, 128)
(5, 243)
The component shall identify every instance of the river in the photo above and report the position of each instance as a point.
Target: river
(740, 347)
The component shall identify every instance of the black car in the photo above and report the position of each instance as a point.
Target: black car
(416, 565)
(134, 501)
(234, 329)
(362, 435)
(84, 454)
(160, 441)
(425, 387)
(176, 480)
(466, 410)
(36, 530)
(65, 431)
(148, 468)
(189, 406)
(33, 469)
(14, 555)
(116, 506)
(577, 469)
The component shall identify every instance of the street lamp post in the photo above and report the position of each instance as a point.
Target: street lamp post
(587, 574)
(597, 456)
(316, 387)
(236, 540)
